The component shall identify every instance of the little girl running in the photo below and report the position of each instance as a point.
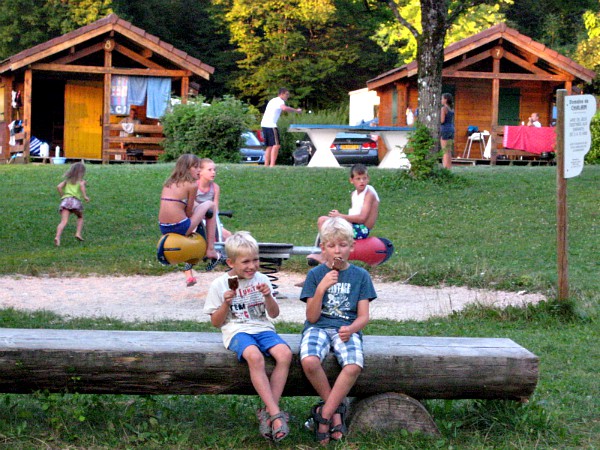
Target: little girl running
(178, 212)
(72, 193)
(209, 191)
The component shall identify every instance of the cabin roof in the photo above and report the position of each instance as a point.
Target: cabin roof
(535, 56)
(109, 26)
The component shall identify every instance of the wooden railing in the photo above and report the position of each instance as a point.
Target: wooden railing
(145, 143)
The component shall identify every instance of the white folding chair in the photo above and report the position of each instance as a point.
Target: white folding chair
(475, 137)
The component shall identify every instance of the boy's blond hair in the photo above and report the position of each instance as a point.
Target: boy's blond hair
(240, 243)
(336, 228)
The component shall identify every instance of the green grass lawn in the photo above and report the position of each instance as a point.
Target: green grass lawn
(491, 227)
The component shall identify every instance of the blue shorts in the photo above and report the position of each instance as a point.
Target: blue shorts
(177, 228)
(264, 340)
(319, 341)
(360, 231)
(271, 136)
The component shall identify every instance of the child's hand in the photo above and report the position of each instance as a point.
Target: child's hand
(334, 213)
(228, 296)
(344, 333)
(87, 199)
(264, 289)
(329, 279)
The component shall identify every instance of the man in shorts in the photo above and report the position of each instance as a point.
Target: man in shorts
(269, 125)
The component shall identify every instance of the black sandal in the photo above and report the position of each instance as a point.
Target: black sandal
(319, 419)
(342, 410)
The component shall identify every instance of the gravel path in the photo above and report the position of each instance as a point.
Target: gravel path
(152, 298)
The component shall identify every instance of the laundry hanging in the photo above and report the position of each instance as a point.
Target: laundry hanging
(136, 91)
(159, 95)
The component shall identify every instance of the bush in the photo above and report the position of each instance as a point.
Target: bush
(593, 156)
(207, 130)
(423, 162)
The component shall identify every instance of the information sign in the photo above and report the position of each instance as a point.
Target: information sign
(579, 110)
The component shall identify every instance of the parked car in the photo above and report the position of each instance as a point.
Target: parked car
(352, 148)
(348, 148)
(253, 152)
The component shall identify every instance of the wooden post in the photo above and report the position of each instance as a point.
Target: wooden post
(185, 87)
(561, 200)
(109, 45)
(27, 96)
(7, 83)
(495, 103)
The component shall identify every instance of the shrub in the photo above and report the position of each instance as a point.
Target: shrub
(207, 130)
(423, 162)
(593, 156)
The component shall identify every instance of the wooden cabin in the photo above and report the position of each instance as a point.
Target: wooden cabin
(498, 77)
(72, 92)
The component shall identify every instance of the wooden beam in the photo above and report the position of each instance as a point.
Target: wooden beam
(6, 83)
(138, 128)
(60, 47)
(80, 54)
(524, 64)
(495, 106)
(569, 87)
(136, 140)
(466, 62)
(27, 97)
(562, 65)
(111, 70)
(106, 118)
(507, 76)
(185, 87)
(182, 62)
(154, 362)
(137, 57)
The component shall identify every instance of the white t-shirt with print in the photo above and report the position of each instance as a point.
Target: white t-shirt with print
(247, 313)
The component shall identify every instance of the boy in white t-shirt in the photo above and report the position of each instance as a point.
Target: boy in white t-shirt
(238, 303)
(363, 212)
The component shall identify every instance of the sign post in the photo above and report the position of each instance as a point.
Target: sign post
(573, 140)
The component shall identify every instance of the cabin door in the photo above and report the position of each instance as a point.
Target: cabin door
(83, 119)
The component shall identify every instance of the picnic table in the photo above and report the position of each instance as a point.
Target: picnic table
(322, 136)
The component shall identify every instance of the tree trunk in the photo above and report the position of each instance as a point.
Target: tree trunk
(430, 52)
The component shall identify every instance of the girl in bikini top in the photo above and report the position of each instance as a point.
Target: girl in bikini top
(184, 201)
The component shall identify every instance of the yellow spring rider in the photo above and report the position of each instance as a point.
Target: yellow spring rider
(175, 248)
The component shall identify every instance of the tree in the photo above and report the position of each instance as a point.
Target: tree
(320, 49)
(436, 19)
(392, 36)
(556, 23)
(196, 27)
(25, 23)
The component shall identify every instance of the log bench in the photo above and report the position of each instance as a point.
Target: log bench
(398, 370)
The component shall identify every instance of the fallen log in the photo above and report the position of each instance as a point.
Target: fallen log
(149, 362)
(397, 368)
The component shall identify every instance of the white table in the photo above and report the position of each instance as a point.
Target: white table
(322, 136)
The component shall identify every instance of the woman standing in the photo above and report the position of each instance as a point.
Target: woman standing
(447, 129)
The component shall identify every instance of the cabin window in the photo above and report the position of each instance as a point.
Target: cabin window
(509, 106)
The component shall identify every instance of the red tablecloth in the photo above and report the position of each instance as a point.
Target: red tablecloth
(529, 139)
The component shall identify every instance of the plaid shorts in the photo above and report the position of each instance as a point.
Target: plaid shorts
(319, 341)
